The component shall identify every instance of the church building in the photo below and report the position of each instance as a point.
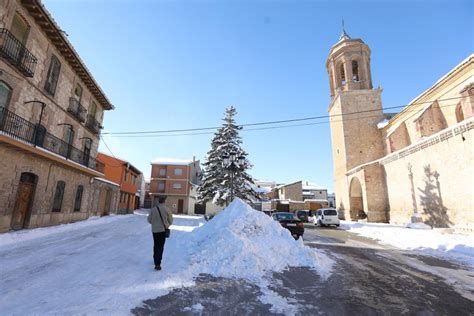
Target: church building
(415, 166)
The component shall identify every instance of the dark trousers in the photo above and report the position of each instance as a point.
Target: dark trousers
(159, 244)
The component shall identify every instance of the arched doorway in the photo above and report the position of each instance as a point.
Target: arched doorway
(356, 200)
(24, 200)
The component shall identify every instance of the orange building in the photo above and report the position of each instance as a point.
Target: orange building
(174, 178)
(127, 176)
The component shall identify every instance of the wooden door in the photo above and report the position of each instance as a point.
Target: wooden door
(180, 206)
(107, 202)
(23, 202)
(102, 202)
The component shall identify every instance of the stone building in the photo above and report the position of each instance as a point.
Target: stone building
(418, 165)
(105, 197)
(51, 110)
(299, 195)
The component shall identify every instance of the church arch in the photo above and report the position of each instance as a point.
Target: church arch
(356, 200)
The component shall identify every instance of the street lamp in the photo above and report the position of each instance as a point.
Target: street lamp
(232, 163)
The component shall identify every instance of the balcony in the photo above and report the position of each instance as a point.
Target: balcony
(93, 125)
(77, 110)
(20, 129)
(16, 53)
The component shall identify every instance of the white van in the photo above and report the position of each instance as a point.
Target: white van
(326, 216)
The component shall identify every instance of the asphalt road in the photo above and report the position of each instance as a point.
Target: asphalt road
(368, 279)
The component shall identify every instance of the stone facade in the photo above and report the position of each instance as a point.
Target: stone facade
(291, 191)
(105, 197)
(48, 142)
(419, 162)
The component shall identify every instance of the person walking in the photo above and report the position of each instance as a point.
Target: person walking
(160, 218)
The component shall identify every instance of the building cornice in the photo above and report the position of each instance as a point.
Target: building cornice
(463, 67)
(46, 22)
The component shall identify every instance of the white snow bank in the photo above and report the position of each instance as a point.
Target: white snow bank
(244, 243)
(432, 242)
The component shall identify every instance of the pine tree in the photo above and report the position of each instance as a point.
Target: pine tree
(216, 182)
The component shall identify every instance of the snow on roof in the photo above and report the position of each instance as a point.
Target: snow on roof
(171, 161)
(106, 181)
(316, 200)
(312, 186)
(382, 124)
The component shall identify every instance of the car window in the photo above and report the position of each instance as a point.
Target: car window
(319, 212)
(285, 216)
(330, 212)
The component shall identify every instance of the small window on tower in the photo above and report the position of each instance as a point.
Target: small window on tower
(343, 75)
(355, 71)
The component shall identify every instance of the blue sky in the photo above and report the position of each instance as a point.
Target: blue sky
(179, 64)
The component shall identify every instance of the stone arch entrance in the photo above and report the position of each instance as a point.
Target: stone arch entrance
(356, 200)
(24, 200)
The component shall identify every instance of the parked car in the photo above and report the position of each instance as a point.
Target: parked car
(303, 215)
(290, 222)
(269, 213)
(326, 216)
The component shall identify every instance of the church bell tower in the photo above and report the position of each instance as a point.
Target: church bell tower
(355, 110)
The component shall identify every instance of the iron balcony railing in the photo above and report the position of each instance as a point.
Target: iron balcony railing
(16, 53)
(92, 124)
(77, 110)
(18, 128)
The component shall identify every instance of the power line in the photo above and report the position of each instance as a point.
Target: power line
(272, 122)
(274, 127)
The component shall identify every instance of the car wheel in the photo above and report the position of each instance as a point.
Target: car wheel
(320, 224)
(337, 225)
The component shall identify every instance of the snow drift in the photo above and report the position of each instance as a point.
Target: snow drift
(244, 243)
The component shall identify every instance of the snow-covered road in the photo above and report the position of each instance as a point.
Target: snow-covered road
(102, 265)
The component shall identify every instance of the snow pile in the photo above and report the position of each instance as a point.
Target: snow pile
(431, 242)
(243, 243)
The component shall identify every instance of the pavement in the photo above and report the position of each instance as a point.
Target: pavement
(367, 279)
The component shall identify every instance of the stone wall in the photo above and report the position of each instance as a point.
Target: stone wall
(99, 196)
(443, 182)
(13, 163)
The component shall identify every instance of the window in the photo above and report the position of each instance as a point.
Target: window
(69, 140)
(459, 113)
(19, 28)
(87, 150)
(53, 75)
(5, 93)
(78, 200)
(355, 71)
(78, 92)
(93, 109)
(343, 74)
(163, 172)
(125, 176)
(161, 186)
(178, 172)
(330, 212)
(58, 196)
(177, 186)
